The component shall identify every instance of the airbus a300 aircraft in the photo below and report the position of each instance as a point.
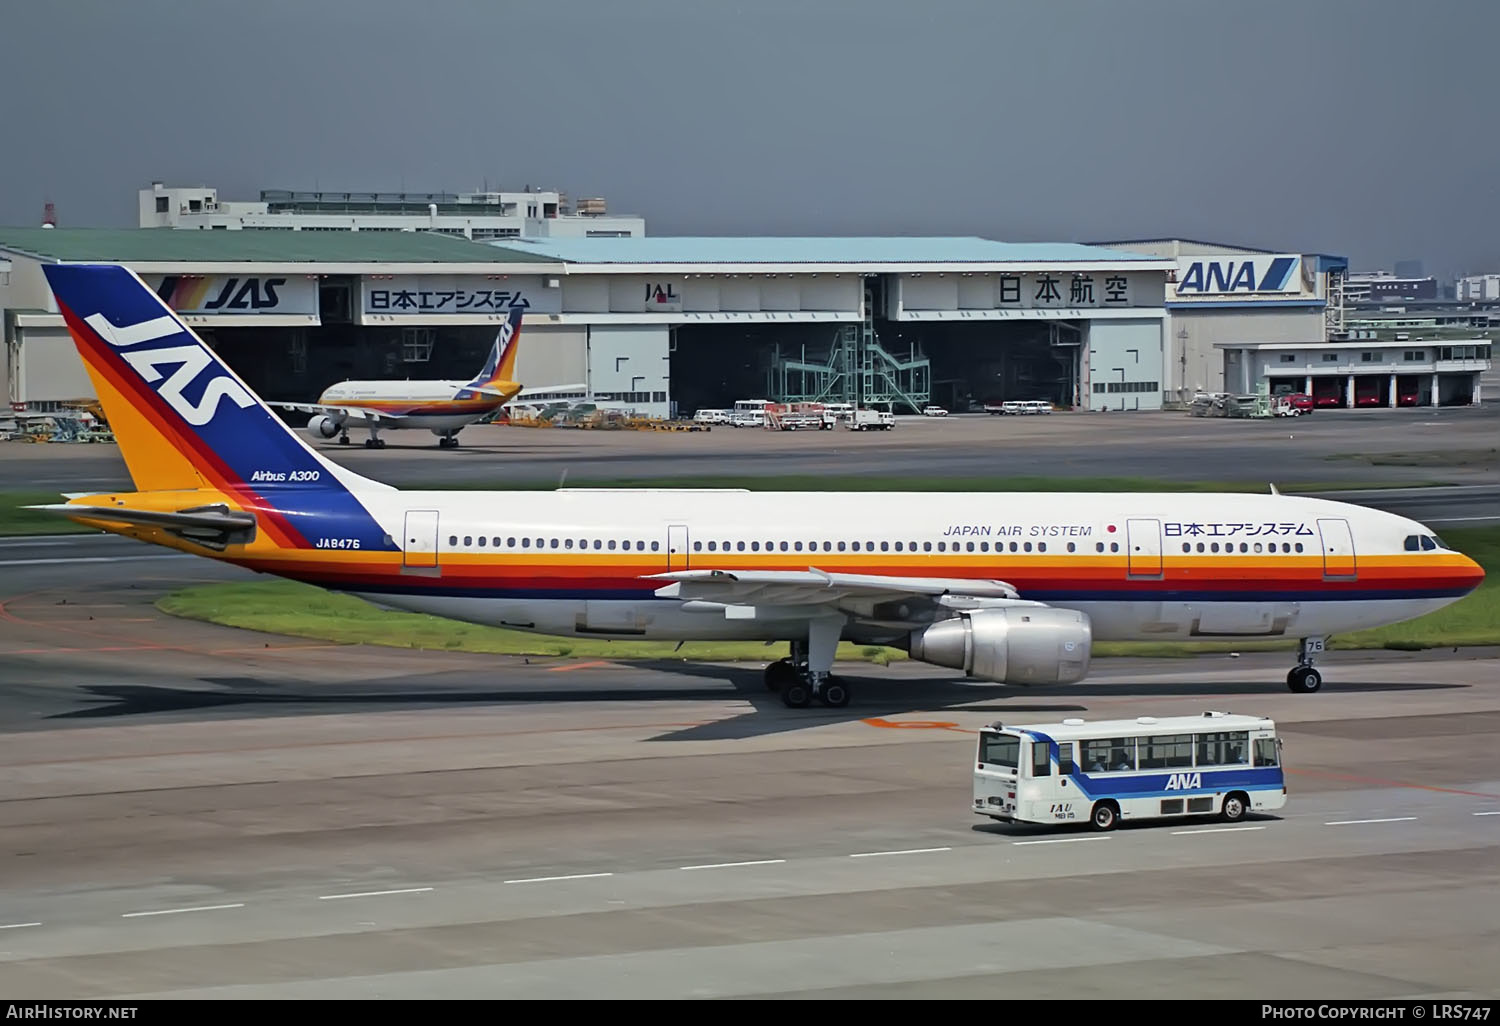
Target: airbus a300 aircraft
(1009, 588)
(442, 407)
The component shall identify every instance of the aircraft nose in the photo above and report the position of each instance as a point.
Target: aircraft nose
(1473, 573)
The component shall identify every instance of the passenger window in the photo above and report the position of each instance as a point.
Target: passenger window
(1299, 546)
(740, 546)
(656, 546)
(1098, 546)
(697, 546)
(1167, 751)
(453, 540)
(1041, 546)
(1072, 547)
(525, 543)
(567, 543)
(481, 541)
(1041, 759)
(1224, 749)
(885, 546)
(1110, 754)
(755, 546)
(510, 543)
(841, 546)
(1265, 751)
(611, 545)
(468, 540)
(1064, 757)
(554, 543)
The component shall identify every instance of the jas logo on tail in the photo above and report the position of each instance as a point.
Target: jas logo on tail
(1184, 781)
(190, 360)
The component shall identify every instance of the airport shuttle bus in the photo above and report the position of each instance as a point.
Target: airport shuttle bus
(1146, 768)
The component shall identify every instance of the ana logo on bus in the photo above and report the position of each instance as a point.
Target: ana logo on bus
(1184, 781)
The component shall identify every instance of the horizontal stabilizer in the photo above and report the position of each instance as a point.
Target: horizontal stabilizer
(211, 526)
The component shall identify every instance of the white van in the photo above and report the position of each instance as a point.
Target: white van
(711, 417)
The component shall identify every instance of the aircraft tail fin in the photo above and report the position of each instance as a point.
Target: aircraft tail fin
(499, 371)
(183, 419)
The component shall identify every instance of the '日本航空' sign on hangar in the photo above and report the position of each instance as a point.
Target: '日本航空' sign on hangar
(454, 299)
(1225, 279)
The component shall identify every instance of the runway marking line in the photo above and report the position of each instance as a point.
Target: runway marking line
(174, 911)
(730, 865)
(906, 851)
(17, 926)
(373, 894)
(1355, 822)
(576, 666)
(1062, 840)
(1389, 783)
(1219, 830)
(342, 741)
(548, 879)
(1495, 813)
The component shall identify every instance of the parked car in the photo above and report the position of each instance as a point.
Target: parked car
(934, 411)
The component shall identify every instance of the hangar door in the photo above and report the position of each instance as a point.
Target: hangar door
(1125, 368)
(551, 356)
(45, 367)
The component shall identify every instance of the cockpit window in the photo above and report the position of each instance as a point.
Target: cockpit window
(1413, 543)
(1428, 544)
(1439, 543)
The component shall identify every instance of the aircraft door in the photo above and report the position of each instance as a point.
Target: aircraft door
(1338, 548)
(677, 547)
(419, 547)
(1143, 539)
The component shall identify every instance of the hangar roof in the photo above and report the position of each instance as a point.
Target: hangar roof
(251, 245)
(730, 250)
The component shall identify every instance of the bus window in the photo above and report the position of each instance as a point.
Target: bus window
(1224, 749)
(1065, 757)
(1000, 750)
(1265, 751)
(1041, 759)
(1166, 751)
(1106, 755)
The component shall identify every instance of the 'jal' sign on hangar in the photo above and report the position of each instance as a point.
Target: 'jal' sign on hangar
(454, 298)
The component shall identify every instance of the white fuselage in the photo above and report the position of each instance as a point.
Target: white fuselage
(1141, 566)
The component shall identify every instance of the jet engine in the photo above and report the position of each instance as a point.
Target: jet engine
(325, 426)
(1021, 645)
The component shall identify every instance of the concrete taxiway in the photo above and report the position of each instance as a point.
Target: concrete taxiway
(187, 810)
(1448, 445)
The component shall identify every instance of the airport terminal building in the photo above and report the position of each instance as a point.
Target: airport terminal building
(661, 326)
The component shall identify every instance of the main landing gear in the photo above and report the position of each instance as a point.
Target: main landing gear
(1302, 678)
(374, 443)
(448, 441)
(805, 675)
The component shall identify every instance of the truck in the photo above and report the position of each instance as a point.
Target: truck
(871, 420)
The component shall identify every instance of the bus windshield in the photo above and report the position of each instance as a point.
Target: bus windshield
(1000, 750)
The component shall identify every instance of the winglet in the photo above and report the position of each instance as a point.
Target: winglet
(1273, 489)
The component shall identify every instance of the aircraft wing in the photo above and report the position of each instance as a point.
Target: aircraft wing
(354, 413)
(211, 526)
(891, 600)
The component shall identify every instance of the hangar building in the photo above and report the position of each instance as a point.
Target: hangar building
(662, 326)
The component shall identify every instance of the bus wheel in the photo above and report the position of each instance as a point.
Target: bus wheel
(1235, 806)
(1105, 816)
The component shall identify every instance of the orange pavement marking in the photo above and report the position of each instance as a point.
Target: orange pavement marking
(575, 666)
(876, 721)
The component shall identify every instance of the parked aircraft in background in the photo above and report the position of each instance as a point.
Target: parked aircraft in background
(442, 407)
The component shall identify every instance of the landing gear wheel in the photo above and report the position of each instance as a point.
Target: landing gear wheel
(779, 674)
(369, 443)
(1304, 680)
(834, 694)
(1104, 816)
(343, 439)
(1234, 808)
(796, 694)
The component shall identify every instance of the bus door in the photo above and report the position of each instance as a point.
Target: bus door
(1338, 548)
(1143, 539)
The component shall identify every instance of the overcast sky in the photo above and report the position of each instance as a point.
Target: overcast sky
(1357, 127)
